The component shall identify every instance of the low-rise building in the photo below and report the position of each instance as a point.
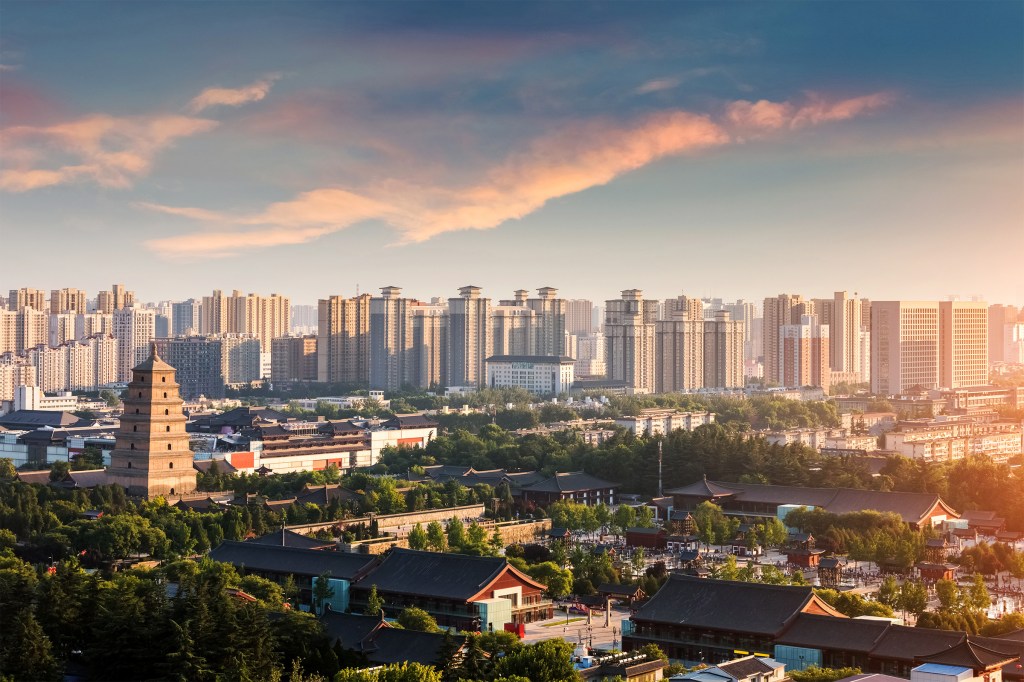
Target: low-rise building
(538, 374)
(575, 486)
(655, 422)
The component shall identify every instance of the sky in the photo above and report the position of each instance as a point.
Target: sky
(736, 150)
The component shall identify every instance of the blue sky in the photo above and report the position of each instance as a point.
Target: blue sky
(728, 149)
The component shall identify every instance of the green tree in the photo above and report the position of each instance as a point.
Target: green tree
(412, 618)
(374, 603)
(27, 653)
(815, 674)
(913, 597)
(59, 471)
(436, 539)
(557, 579)
(418, 538)
(456, 532)
(889, 592)
(547, 661)
(977, 595)
(399, 672)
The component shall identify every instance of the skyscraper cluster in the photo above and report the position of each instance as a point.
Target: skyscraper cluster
(66, 341)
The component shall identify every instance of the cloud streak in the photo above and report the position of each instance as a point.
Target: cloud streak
(111, 151)
(575, 159)
(232, 97)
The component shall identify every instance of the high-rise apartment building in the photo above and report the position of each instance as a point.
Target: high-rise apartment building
(391, 340)
(91, 324)
(549, 325)
(999, 318)
(590, 356)
(579, 317)
(514, 327)
(779, 311)
(68, 301)
(74, 366)
(804, 353)
(343, 340)
(679, 346)
(27, 298)
(303, 319)
(32, 328)
(199, 365)
(151, 455)
(240, 358)
(723, 352)
(904, 346)
(847, 337)
(60, 328)
(630, 340)
(185, 318)
(430, 344)
(134, 329)
(470, 341)
(115, 299)
(963, 344)
(8, 331)
(214, 313)
(293, 358)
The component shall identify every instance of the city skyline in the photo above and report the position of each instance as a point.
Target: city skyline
(727, 151)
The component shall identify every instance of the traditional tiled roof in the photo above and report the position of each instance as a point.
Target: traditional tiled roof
(349, 629)
(26, 419)
(726, 605)
(293, 560)
(970, 654)
(288, 538)
(42, 477)
(323, 495)
(817, 632)
(223, 466)
(573, 481)
(392, 645)
(745, 667)
(410, 421)
(434, 574)
(906, 643)
(912, 507)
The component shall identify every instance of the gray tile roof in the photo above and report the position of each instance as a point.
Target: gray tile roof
(573, 481)
(433, 574)
(290, 560)
(725, 605)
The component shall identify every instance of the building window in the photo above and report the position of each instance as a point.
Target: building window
(172, 491)
(171, 463)
(140, 394)
(167, 412)
(163, 379)
(135, 428)
(165, 394)
(169, 447)
(129, 465)
(136, 410)
(132, 446)
(168, 429)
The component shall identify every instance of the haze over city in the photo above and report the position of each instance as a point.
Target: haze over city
(716, 149)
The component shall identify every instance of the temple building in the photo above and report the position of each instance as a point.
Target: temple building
(151, 456)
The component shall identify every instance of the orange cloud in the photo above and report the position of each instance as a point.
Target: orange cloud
(111, 151)
(307, 217)
(573, 160)
(232, 97)
(765, 115)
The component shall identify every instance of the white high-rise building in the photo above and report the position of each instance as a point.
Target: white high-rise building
(469, 337)
(804, 353)
(629, 331)
(590, 355)
(391, 340)
(963, 344)
(430, 344)
(845, 336)
(723, 352)
(904, 346)
(91, 324)
(579, 316)
(134, 329)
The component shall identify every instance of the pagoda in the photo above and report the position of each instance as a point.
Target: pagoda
(151, 456)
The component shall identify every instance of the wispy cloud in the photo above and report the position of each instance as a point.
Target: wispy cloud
(111, 151)
(577, 158)
(657, 85)
(232, 97)
(765, 115)
(9, 67)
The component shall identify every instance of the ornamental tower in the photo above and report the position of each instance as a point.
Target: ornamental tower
(151, 456)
